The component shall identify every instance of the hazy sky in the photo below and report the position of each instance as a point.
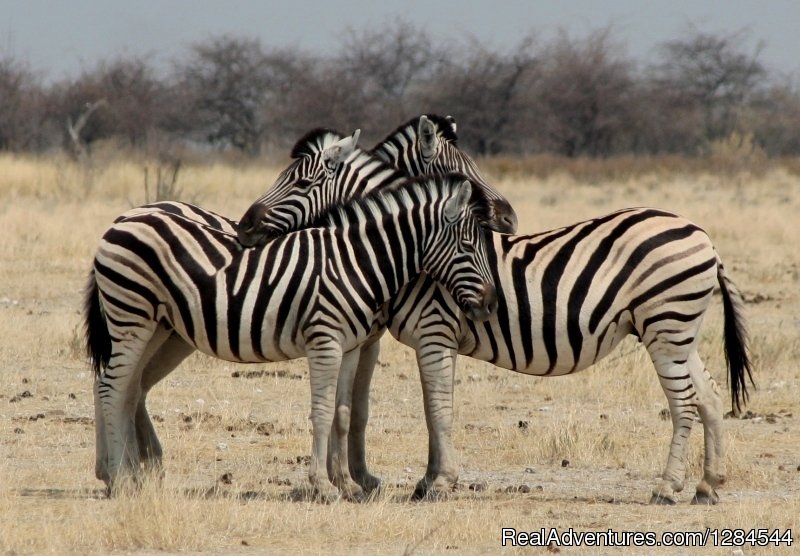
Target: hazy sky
(58, 38)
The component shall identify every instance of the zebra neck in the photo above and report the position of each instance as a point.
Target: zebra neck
(385, 243)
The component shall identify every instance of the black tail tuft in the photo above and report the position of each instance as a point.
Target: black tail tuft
(736, 351)
(98, 341)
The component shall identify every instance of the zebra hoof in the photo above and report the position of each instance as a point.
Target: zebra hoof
(431, 491)
(705, 498)
(369, 483)
(662, 500)
(327, 494)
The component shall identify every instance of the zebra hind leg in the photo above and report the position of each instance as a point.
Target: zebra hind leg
(171, 353)
(118, 391)
(679, 388)
(711, 409)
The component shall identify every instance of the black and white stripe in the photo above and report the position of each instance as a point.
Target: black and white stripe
(163, 285)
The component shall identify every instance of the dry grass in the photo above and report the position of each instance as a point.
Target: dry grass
(604, 421)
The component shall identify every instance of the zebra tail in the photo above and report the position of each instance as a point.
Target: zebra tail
(98, 340)
(737, 355)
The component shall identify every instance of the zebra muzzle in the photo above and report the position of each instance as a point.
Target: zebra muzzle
(485, 307)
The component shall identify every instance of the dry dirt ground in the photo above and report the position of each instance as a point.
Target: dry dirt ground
(578, 452)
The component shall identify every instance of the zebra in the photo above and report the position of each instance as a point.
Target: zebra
(567, 297)
(159, 277)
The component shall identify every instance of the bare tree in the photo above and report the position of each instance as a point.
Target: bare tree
(485, 90)
(390, 63)
(21, 106)
(583, 99)
(226, 82)
(74, 129)
(710, 76)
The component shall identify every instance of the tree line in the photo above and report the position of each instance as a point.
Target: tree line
(570, 96)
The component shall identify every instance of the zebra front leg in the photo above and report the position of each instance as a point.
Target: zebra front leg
(339, 469)
(356, 440)
(437, 368)
(711, 409)
(324, 362)
(677, 384)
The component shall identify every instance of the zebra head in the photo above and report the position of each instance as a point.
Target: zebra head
(303, 191)
(459, 261)
(428, 144)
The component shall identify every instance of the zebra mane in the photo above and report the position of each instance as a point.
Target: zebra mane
(444, 126)
(314, 141)
(479, 204)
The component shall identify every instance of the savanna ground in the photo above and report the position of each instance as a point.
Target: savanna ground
(576, 452)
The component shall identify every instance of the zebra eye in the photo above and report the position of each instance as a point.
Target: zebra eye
(303, 184)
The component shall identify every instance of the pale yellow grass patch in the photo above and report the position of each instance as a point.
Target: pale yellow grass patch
(236, 448)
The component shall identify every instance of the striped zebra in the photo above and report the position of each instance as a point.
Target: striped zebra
(567, 297)
(163, 285)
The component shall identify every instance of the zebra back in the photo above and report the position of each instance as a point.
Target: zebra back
(428, 144)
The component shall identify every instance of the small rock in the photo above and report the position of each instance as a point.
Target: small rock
(664, 414)
(226, 478)
(530, 470)
(479, 486)
(781, 468)
(19, 431)
(551, 547)
(603, 417)
(25, 380)
(222, 446)
(523, 424)
(72, 396)
(564, 463)
(408, 470)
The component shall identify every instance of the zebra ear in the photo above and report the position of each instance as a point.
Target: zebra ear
(452, 121)
(340, 150)
(456, 205)
(426, 133)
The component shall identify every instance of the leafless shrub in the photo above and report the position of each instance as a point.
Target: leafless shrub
(165, 185)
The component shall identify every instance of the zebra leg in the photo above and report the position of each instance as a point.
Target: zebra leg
(357, 438)
(101, 448)
(164, 361)
(679, 388)
(437, 367)
(339, 470)
(711, 409)
(324, 362)
(118, 392)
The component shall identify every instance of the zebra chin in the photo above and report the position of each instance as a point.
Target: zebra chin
(484, 307)
(503, 218)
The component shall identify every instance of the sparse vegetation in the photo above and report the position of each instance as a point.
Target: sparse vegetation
(236, 446)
